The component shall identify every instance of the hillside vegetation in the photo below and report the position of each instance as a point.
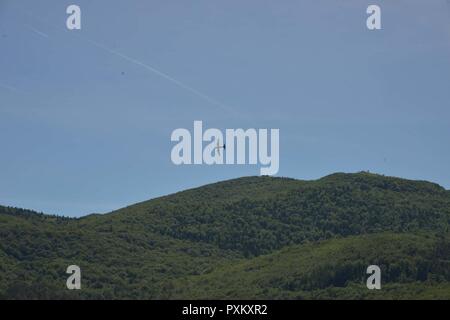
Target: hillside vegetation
(253, 237)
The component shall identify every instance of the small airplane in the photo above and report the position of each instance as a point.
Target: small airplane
(218, 147)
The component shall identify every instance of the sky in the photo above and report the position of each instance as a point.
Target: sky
(86, 115)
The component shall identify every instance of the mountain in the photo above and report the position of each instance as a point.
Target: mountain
(252, 237)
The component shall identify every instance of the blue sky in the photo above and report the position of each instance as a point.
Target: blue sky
(84, 130)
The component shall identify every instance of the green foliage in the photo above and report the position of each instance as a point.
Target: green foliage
(333, 269)
(255, 237)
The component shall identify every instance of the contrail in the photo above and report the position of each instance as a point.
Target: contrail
(10, 88)
(180, 84)
(42, 34)
(161, 74)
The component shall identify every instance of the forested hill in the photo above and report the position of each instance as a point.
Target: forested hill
(259, 214)
(182, 244)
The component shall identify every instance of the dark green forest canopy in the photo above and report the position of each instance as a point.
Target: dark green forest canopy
(204, 240)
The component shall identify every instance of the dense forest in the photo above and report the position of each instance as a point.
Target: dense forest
(248, 238)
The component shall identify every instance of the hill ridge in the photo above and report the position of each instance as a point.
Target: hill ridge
(246, 180)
